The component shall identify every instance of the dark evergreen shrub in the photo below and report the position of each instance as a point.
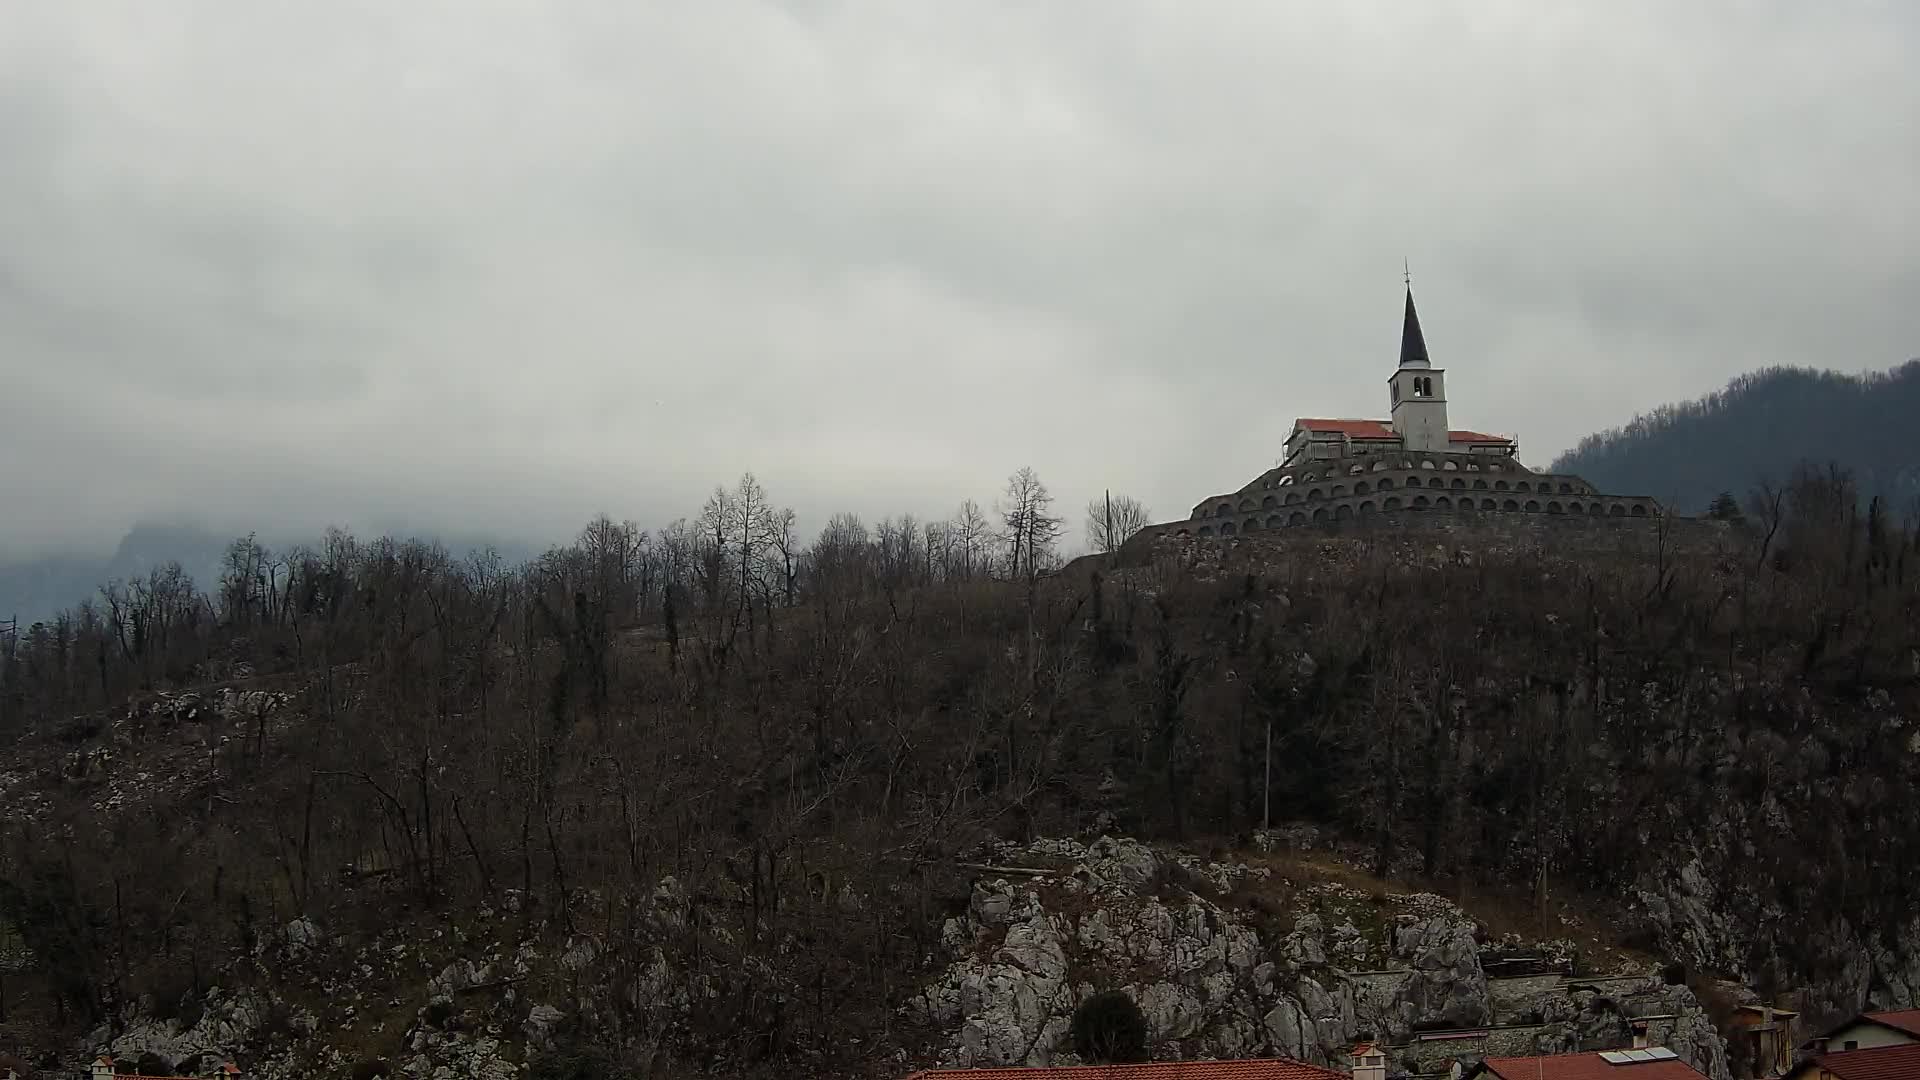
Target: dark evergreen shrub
(1108, 1028)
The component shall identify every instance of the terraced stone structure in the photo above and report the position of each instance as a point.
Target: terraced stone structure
(1342, 488)
(1338, 471)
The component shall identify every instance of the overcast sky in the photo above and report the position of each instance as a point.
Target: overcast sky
(502, 265)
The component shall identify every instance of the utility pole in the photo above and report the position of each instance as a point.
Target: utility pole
(9, 650)
(1266, 785)
(1541, 897)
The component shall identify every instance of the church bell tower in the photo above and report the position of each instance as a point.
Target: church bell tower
(1419, 391)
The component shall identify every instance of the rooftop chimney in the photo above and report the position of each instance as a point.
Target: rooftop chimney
(1369, 1062)
(1640, 1041)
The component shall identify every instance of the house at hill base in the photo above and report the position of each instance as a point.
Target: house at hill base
(1892, 1062)
(104, 1069)
(1869, 1030)
(1369, 1064)
(1413, 462)
(1882, 1045)
(1645, 1063)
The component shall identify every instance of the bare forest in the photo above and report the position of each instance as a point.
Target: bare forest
(806, 733)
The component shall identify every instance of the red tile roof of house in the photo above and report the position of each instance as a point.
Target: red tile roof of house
(1250, 1069)
(1476, 437)
(1588, 1066)
(103, 1061)
(1907, 1020)
(1880, 1063)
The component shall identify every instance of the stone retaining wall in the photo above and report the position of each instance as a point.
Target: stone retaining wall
(1434, 502)
(1434, 1053)
(1604, 534)
(1511, 999)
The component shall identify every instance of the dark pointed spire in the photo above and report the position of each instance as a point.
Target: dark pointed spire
(1413, 344)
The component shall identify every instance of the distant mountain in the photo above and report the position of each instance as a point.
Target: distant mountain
(38, 588)
(35, 589)
(1761, 426)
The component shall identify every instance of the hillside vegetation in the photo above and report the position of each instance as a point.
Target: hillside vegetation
(791, 744)
(1757, 430)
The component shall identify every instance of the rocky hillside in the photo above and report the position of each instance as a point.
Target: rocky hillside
(1270, 955)
(614, 815)
(1245, 958)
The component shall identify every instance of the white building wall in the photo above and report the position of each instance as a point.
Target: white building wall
(1869, 1036)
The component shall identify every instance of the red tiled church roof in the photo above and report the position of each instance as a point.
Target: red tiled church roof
(1253, 1069)
(1383, 429)
(1352, 429)
(1880, 1063)
(1588, 1066)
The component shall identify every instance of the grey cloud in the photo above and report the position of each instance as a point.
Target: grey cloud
(503, 266)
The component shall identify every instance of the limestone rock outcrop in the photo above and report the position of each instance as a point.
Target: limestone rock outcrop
(1447, 985)
(1217, 980)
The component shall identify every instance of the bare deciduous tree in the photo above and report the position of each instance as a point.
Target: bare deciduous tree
(786, 555)
(1112, 520)
(1029, 530)
(840, 557)
(971, 534)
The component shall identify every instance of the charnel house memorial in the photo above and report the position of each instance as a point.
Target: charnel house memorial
(1413, 462)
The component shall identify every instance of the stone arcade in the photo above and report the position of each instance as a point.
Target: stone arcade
(1339, 470)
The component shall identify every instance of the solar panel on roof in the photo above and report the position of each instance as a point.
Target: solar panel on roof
(1615, 1057)
(1661, 1053)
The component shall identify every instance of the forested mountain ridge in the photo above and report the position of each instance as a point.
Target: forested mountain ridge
(1757, 430)
(702, 801)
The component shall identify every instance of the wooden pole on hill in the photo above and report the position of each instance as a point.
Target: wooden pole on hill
(1266, 783)
(1541, 898)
